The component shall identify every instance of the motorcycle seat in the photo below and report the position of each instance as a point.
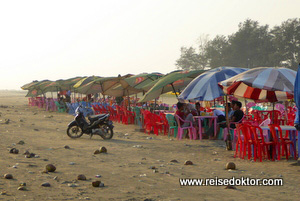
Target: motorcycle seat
(96, 117)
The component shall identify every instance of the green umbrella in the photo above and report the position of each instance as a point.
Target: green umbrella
(173, 81)
(141, 80)
(85, 80)
(38, 88)
(31, 84)
(68, 83)
(132, 85)
(94, 86)
(104, 85)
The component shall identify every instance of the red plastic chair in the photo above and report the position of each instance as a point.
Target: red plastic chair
(282, 142)
(239, 142)
(96, 109)
(164, 122)
(113, 113)
(248, 141)
(291, 118)
(263, 146)
(119, 114)
(128, 116)
(149, 122)
(277, 117)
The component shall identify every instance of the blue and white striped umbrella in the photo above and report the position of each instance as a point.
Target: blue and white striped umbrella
(205, 87)
(263, 83)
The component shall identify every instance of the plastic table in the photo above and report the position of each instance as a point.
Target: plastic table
(200, 126)
(292, 137)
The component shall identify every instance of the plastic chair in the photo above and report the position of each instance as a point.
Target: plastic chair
(60, 107)
(263, 145)
(71, 109)
(265, 132)
(248, 141)
(190, 128)
(173, 127)
(231, 131)
(282, 142)
(113, 113)
(137, 118)
(149, 122)
(128, 116)
(96, 109)
(163, 122)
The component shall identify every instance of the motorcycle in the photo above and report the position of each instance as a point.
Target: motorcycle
(98, 125)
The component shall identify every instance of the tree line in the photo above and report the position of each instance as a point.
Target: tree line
(253, 45)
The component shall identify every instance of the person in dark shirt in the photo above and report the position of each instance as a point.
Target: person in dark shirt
(237, 115)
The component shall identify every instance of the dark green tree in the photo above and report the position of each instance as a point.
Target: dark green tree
(216, 51)
(286, 39)
(251, 46)
(189, 59)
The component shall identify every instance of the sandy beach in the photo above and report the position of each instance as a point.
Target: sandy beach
(126, 170)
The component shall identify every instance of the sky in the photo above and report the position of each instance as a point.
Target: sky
(68, 38)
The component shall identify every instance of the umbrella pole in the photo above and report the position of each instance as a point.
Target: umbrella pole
(273, 113)
(228, 141)
(174, 90)
(246, 106)
(128, 102)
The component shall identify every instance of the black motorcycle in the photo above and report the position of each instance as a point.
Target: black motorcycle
(98, 125)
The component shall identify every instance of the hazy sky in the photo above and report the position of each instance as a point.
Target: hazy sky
(63, 39)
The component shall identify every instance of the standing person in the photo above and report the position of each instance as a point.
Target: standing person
(68, 96)
(296, 121)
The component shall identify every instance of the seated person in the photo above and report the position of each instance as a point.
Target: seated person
(199, 109)
(237, 115)
(184, 114)
(191, 109)
(221, 120)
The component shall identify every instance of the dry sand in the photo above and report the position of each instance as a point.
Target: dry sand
(125, 169)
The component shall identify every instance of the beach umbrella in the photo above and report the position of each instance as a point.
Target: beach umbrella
(85, 80)
(174, 81)
(101, 85)
(38, 88)
(119, 87)
(68, 83)
(51, 87)
(141, 80)
(205, 87)
(32, 84)
(138, 81)
(28, 85)
(94, 86)
(269, 84)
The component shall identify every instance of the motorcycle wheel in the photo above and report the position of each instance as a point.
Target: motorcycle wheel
(74, 132)
(109, 134)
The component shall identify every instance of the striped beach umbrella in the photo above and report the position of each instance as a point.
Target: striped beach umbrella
(270, 84)
(205, 87)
